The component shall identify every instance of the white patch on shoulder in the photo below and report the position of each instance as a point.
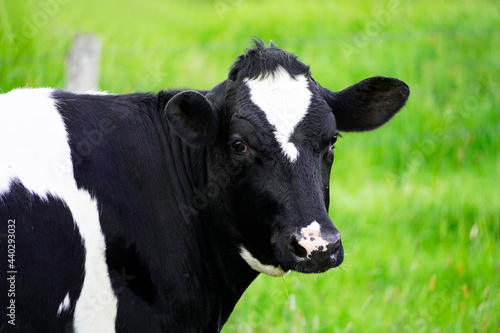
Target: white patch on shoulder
(311, 239)
(64, 305)
(285, 101)
(258, 266)
(32, 139)
(34, 149)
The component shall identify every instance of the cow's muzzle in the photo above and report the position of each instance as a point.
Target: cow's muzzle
(312, 251)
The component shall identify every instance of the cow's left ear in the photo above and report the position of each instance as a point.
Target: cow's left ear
(193, 117)
(367, 104)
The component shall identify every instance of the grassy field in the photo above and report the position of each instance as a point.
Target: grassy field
(417, 202)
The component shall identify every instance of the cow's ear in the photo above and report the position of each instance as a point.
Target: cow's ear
(367, 104)
(193, 118)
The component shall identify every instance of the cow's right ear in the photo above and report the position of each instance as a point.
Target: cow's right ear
(193, 117)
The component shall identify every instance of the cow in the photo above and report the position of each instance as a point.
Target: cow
(153, 212)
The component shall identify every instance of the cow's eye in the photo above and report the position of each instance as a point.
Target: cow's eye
(333, 140)
(239, 147)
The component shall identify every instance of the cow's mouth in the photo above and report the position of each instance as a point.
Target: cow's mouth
(320, 262)
(269, 269)
(293, 256)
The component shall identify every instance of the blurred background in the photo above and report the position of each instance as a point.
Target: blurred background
(417, 201)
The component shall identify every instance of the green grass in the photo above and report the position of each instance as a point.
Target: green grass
(417, 201)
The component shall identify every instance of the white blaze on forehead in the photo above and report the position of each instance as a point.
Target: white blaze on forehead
(258, 266)
(285, 101)
(311, 239)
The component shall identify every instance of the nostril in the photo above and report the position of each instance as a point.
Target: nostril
(297, 249)
(335, 243)
(333, 238)
(337, 253)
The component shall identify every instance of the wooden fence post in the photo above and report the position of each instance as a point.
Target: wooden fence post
(82, 64)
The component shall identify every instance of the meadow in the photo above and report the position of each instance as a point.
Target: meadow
(417, 201)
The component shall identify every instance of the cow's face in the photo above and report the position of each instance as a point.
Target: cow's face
(276, 126)
(282, 133)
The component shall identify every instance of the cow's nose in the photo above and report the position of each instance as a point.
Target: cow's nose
(317, 246)
(312, 244)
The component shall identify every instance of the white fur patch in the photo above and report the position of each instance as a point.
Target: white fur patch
(285, 101)
(64, 305)
(258, 266)
(311, 238)
(34, 149)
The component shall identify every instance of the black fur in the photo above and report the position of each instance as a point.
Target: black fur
(262, 61)
(49, 259)
(142, 173)
(176, 200)
(368, 104)
(193, 117)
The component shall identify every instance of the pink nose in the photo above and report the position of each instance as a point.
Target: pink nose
(311, 239)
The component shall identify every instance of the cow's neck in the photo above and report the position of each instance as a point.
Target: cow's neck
(170, 246)
(221, 276)
(232, 274)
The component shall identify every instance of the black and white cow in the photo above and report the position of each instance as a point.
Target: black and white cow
(154, 212)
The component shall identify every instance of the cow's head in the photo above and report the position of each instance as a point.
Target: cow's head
(274, 127)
